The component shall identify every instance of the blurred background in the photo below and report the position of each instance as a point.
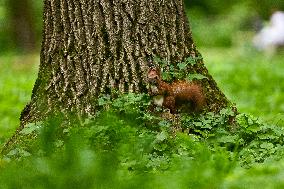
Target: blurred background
(251, 77)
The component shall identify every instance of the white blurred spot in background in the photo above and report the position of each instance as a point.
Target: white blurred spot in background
(271, 37)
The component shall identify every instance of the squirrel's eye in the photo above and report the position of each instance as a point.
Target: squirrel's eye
(153, 81)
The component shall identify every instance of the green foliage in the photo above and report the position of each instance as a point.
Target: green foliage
(17, 76)
(250, 79)
(261, 142)
(30, 128)
(126, 146)
(170, 72)
(222, 29)
(218, 24)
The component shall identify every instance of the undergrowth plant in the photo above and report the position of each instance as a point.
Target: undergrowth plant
(126, 145)
(170, 72)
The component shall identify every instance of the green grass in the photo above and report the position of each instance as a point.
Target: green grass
(17, 77)
(250, 79)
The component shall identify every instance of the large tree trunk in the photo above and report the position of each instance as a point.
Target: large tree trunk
(91, 47)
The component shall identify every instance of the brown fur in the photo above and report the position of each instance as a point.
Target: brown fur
(177, 95)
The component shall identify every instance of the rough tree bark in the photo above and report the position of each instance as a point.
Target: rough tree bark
(91, 47)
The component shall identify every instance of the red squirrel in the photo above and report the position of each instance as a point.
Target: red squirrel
(177, 95)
